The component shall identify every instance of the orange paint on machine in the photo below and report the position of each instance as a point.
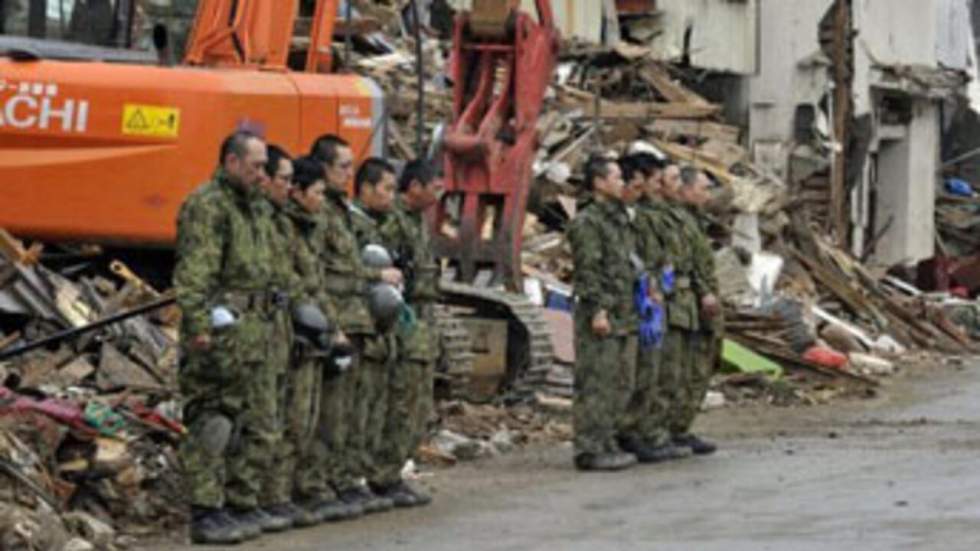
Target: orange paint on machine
(95, 149)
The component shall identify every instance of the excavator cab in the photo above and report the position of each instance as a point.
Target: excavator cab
(101, 143)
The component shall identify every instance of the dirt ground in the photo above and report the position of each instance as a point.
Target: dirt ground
(895, 472)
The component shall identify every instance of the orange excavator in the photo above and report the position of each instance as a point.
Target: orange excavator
(100, 145)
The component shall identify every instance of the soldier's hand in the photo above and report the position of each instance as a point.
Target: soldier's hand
(392, 276)
(710, 308)
(600, 324)
(340, 339)
(201, 343)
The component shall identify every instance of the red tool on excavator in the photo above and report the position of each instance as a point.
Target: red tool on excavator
(502, 63)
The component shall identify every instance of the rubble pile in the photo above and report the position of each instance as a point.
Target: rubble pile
(470, 431)
(88, 428)
(792, 296)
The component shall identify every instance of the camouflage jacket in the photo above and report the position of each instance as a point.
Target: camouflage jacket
(366, 225)
(687, 248)
(406, 234)
(703, 278)
(603, 242)
(652, 222)
(223, 249)
(279, 226)
(345, 277)
(304, 242)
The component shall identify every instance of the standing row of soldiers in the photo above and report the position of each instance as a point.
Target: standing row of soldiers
(647, 318)
(301, 378)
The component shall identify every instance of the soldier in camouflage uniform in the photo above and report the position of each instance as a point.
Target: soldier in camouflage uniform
(702, 354)
(603, 248)
(374, 187)
(302, 462)
(223, 280)
(410, 387)
(646, 434)
(691, 306)
(297, 379)
(346, 283)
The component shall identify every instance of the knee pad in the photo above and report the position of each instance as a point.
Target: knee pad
(216, 433)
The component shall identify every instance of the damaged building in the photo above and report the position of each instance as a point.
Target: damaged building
(856, 104)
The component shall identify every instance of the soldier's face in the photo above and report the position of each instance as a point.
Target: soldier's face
(251, 165)
(701, 191)
(428, 194)
(633, 190)
(654, 183)
(311, 199)
(381, 196)
(671, 181)
(281, 182)
(695, 194)
(341, 172)
(611, 186)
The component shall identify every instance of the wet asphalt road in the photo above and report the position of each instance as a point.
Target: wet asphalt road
(895, 473)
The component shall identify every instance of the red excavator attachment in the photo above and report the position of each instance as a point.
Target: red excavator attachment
(502, 63)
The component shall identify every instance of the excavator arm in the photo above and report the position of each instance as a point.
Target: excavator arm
(502, 63)
(258, 33)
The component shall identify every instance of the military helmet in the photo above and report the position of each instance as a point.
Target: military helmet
(311, 326)
(376, 256)
(385, 303)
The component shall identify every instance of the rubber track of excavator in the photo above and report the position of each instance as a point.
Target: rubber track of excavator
(455, 352)
(537, 360)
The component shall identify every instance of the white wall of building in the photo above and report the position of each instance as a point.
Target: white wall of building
(906, 189)
(723, 33)
(788, 37)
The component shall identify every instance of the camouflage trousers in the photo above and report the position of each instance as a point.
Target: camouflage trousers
(231, 411)
(604, 379)
(692, 355)
(300, 403)
(328, 462)
(370, 408)
(656, 383)
(410, 403)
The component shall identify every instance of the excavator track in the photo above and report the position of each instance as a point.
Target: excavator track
(455, 363)
(530, 355)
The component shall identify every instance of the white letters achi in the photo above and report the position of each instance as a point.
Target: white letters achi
(36, 106)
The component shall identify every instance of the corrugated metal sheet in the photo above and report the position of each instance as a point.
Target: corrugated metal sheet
(576, 18)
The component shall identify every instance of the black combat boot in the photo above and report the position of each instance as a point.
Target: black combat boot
(333, 510)
(604, 461)
(300, 517)
(272, 522)
(374, 503)
(214, 526)
(249, 520)
(653, 454)
(370, 502)
(399, 493)
(697, 445)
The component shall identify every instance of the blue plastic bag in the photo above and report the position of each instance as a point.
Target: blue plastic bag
(650, 312)
(959, 187)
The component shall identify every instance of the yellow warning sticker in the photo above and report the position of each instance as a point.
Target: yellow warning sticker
(150, 120)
